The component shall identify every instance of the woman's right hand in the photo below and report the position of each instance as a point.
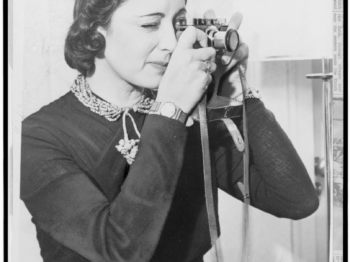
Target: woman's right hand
(186, 78)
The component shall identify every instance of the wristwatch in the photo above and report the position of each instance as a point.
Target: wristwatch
(168, 109)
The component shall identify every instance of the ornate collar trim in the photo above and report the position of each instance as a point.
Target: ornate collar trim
(103, 108)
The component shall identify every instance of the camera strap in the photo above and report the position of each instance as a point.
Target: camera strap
(213, 223)
(246, 193)
(208, 185)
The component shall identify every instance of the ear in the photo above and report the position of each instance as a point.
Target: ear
(102, 31)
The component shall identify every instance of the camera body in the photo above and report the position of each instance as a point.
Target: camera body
(218, 36)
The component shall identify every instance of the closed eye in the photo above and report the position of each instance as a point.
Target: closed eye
(150, 26)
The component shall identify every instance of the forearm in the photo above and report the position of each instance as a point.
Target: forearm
(146, 195)
(279, 182)
(67, 205)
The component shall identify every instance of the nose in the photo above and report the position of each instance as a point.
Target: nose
(168, 40)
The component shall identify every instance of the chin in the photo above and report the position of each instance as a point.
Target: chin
(151, 82)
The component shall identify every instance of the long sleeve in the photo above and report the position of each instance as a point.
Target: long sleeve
(69, 206)
(279, 182)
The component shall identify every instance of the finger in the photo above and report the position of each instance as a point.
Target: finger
(231, 59)
(178, 34)
(204, 54)
(209, 14)
(226, 57)
(207, 67)
(209, 79)
(241, 55)
(190, 36)
(212, 68)
(235, 21)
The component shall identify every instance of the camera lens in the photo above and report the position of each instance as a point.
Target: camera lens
(232, 40)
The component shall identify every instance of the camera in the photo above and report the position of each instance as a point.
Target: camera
(219, 37)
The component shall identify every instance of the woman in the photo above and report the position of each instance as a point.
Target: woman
(105, 181)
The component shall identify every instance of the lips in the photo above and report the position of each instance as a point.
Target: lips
(160, 63)
(159, 66)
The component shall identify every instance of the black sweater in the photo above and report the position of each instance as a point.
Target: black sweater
(88, 204)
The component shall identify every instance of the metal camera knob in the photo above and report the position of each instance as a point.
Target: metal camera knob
(218, 36)
(223, 40)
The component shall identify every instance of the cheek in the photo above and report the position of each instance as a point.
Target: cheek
(128, 54)
(129, 50)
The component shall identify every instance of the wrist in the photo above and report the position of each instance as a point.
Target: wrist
(249, 93)
(168, 109)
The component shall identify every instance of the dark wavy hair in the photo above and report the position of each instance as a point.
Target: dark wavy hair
(84, 42)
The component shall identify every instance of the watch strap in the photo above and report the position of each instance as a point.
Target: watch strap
(178, 115)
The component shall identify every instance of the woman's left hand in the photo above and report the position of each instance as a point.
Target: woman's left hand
(231, 86)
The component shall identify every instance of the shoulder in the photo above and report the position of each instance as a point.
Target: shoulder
(64, 116)
(49, 141)
(56, 126)
(46, 144)
(65, 129)
(52, 113)
(45, 128)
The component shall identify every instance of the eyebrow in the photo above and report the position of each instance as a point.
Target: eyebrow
(182, 10)
(154, 14)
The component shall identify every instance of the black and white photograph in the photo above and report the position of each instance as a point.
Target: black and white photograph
(175, 131)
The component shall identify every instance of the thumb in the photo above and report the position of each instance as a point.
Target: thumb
(190, 36)
(235, 21)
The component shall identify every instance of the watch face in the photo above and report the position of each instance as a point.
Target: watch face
(168, 109)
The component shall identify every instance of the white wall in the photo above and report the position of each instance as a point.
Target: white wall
(278, 28)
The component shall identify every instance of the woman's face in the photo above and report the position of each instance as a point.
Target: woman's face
(141, 39)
